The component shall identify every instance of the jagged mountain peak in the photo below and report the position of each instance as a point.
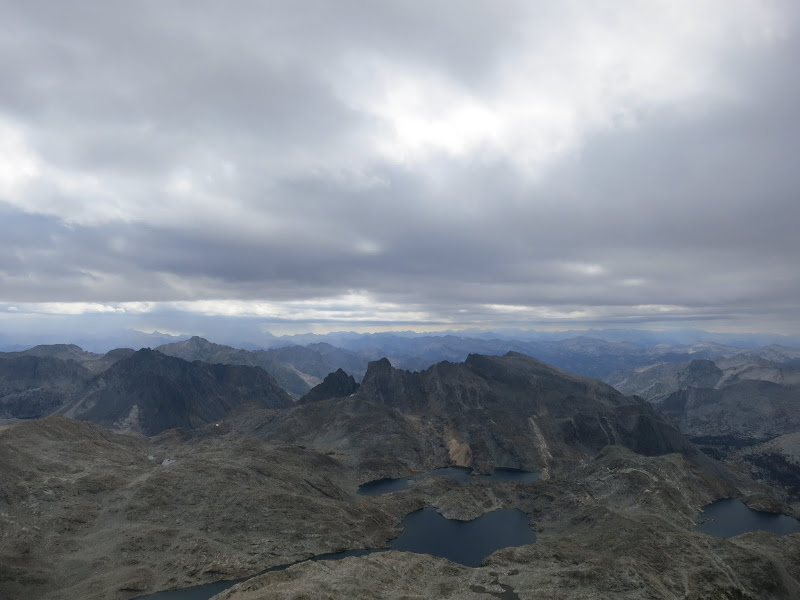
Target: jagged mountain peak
(336, 385)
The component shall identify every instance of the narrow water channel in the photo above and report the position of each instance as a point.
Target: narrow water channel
(208, 590)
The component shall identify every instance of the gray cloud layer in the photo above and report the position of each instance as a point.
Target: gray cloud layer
(455, 164)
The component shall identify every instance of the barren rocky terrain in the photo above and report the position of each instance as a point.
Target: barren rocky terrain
(87, 512)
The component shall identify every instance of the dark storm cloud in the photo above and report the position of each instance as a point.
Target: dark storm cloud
(455, 163)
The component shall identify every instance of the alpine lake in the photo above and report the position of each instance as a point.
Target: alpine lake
(425, 531)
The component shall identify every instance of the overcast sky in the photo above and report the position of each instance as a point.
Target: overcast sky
(429, 165)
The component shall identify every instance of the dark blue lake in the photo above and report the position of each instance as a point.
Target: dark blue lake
(425, 532)
(729, 517)
(462, 475)
(466, 542)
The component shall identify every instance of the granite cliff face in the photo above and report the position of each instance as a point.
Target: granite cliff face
(150, 392)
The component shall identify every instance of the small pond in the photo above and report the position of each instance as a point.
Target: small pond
(425, 532)
(462, 475)
(729, 517)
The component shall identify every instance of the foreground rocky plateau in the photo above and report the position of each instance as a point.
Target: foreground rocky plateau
(87, 512)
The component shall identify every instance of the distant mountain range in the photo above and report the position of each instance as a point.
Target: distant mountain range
(236, 335)
(298, 368)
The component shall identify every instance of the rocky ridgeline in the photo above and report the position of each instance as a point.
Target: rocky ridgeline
(511, 411)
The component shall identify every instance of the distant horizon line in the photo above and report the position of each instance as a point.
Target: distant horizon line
(134, 338)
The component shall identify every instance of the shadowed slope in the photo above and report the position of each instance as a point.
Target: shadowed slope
(151, 392)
